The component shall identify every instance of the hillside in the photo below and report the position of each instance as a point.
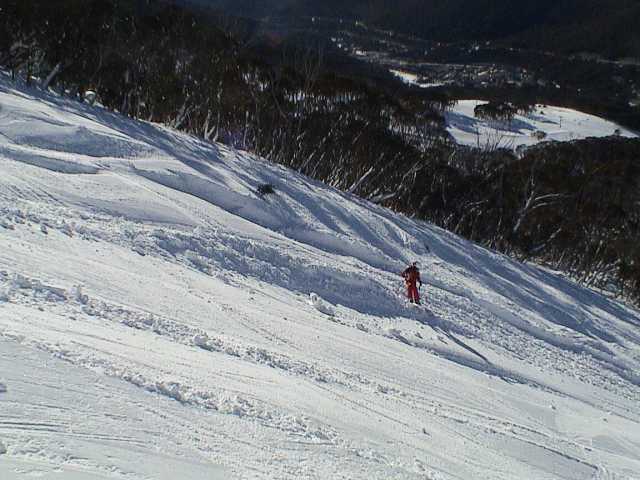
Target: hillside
(385, 142)
(606, 27)
(160, 318)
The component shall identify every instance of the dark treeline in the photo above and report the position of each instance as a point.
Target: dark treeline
(575, 205)
(606, 27)
(596, 87)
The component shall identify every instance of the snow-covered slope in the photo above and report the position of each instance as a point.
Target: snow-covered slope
(554, 123)
(160, 319)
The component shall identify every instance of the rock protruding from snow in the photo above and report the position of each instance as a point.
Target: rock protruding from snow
(3, 387)
(3, 448)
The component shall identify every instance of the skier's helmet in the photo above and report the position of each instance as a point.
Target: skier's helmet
(416, 264)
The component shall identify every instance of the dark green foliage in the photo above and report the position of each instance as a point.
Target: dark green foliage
(573, 205)
(266, 189)
(496, 111)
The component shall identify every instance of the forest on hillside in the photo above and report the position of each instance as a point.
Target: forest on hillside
(573, 206)
(605, 27)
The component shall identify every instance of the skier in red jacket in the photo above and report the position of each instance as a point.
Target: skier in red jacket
(411, 278)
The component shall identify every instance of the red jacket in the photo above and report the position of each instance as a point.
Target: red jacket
(412, 275)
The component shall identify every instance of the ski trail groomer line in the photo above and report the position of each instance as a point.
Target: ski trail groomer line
(411, 277)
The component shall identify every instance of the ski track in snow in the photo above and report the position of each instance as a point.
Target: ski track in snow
(222, 333)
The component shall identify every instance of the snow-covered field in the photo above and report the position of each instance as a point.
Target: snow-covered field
(161, 320)
(557, 124)
(413, 79)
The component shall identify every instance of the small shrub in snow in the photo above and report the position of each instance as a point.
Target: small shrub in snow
(539, 135)
(3, 449)
(266, 189)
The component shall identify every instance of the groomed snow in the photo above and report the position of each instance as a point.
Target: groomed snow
(557, 124)
(160, 319)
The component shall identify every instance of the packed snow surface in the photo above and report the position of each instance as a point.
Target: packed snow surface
(160, 319)
(544, 123)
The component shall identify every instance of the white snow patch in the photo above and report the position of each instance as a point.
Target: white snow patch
(414, 79)
(556, 123)
(406, 77)
(320, 305)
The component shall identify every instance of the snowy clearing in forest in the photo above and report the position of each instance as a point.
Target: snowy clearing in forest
(160, 318)
(413, 79)
(545, 123)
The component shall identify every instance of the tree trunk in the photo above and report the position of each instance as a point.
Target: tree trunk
(56, 70)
